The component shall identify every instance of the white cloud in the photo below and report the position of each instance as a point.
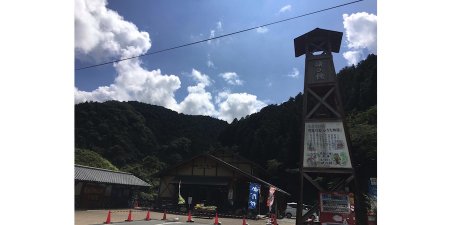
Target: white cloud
(294, 73)
(212, 33)
(198, 102)
(237, 105)
(231, 78)
(285, 8)
(201, 78)
(361, 35)
(210, 63)
(134, 83)
(353, 57)
(262, 30)
(219, 26)
(102, 34)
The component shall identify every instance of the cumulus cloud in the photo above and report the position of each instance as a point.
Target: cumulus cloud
(294, 73)
(361, 35)
(102, 34)
(134, 83)
(201, 78)
(285, 8)
(231, 78)
(262, 30)
(237, 105)
(198, 102)
(353, 57)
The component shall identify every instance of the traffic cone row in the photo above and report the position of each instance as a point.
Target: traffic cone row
(147, 218)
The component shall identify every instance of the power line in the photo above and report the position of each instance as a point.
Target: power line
(221, 36)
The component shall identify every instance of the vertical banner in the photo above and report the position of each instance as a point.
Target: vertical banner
(180, 198)
(253, 196)
(271, 198)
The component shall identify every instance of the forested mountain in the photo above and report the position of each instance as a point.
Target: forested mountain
(127, 132)
(143, 139)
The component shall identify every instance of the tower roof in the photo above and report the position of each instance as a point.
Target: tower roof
(334, 37)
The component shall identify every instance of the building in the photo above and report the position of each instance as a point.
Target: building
(221, 179)
(97, 188)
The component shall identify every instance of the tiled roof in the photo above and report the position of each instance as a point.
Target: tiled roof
(86, 173)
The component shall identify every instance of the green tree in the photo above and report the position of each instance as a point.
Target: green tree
(89, 158)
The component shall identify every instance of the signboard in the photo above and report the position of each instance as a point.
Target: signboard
(325, 146)
(337, 208)
(253, 196)
(320, 71)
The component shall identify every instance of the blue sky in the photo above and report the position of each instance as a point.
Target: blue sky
(225, 78)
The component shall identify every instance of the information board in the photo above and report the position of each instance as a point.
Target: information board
(325, 146)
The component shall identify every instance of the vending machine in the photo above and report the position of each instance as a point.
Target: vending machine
(337, 208)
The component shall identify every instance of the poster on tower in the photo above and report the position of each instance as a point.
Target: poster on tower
(325, 146)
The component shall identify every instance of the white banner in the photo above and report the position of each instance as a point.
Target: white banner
(325, 146)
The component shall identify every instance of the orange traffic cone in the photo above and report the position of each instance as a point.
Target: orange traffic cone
(164, 216)
(274, 219)
(216, 220)
(148, 216)
(108, 218)
(243, 221)
(189, 217)
(129, 217)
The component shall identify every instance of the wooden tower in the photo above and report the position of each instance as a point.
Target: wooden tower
(325, 149)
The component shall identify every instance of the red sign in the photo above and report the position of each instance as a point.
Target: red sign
(337, 208)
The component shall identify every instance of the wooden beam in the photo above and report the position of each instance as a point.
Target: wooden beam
(321, 100)
(327, 170)
(320, 188)
(327, 105)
